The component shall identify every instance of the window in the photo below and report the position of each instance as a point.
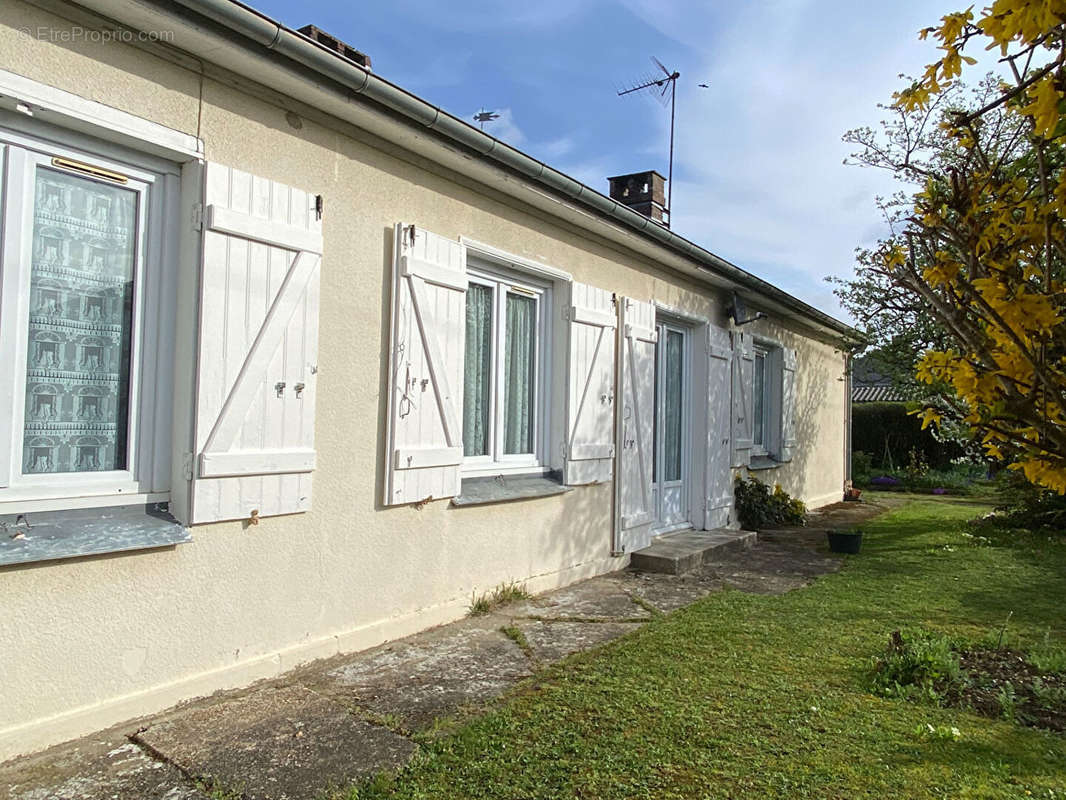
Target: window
(760, 402)
(82, 410)
(505, 379)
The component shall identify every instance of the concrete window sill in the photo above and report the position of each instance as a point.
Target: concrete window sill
(764, 462)
(503, 489)
(87, 532)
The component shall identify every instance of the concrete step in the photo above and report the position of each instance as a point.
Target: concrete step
(677, 553)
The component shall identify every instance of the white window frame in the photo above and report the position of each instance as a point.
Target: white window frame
(771, 352)
(486, 272)
(27, 145)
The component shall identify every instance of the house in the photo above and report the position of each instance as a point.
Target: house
(295, 362)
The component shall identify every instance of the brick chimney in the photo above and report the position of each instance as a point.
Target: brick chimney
(644, 192)
(331, 42)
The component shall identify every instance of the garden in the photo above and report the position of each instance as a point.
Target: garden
(931, 665)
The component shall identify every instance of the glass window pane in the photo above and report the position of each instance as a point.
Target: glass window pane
(477, 381)
(519, 380)
(80, 327)
(758, 405)
(672, 401)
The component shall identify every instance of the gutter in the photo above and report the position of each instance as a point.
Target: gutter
(270, 35)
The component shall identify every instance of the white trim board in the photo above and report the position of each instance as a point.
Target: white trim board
(67, 110)
(683, 316)
(517, 262)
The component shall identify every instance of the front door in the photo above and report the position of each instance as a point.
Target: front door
(670, 475)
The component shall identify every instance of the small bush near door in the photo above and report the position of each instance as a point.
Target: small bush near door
(758, 507)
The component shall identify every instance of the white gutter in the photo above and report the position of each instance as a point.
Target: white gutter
(243, 41)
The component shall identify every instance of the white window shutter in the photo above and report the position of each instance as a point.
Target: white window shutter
(636, 423)
(788, 404)
(719, 479)
(426, 354)
(593, 320)
(258, 348)
(743, 373)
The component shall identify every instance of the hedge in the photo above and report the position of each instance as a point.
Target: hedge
(888, 433)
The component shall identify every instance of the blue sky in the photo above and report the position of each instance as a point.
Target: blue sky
(758, 177)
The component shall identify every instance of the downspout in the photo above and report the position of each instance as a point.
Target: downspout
(847, 421)
(361, 82)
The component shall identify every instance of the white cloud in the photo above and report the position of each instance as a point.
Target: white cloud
(758, 172)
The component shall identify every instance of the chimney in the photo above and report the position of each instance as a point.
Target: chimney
(331, 42)
(644, 192)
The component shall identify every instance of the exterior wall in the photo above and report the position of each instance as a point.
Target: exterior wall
(816, 472)
(89, 642)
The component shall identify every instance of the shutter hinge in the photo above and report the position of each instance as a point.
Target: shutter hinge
(186, 465)
(198, 216)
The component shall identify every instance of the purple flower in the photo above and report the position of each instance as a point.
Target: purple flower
(885, 480)
(940, 490)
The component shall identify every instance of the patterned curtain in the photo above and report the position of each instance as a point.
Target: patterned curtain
(477, 383)
(519, 364)
(80, 325)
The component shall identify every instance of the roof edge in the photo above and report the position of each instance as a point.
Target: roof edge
(271, 35)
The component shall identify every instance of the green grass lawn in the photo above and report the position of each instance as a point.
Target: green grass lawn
(752, 696)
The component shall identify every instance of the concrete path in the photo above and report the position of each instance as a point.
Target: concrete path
(335, 721)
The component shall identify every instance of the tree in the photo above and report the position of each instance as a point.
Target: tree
(977, 249)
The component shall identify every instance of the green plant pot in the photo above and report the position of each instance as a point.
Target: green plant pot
(845, 541)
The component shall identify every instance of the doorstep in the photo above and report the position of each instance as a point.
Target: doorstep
(678, 553)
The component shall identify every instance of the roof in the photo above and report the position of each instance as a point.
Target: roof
(870, 382)
(312, 62)
(876, 393)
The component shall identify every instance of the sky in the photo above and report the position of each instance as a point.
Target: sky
(758, 172)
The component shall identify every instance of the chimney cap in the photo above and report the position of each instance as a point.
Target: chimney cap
(637, 174)
(332, 43)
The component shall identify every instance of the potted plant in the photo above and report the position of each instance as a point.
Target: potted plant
(845, 541)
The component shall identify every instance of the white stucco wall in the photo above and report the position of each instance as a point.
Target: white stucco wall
(89, 642)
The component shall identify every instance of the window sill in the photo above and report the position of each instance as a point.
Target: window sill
(764, 462)
(503, 489)
(88, 532)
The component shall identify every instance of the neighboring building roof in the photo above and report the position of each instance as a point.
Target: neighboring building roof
(307, 54)
(877, 393)
(870, 384)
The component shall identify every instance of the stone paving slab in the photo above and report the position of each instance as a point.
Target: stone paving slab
(552, 641)
(104, 766)
(668, 593)
(602, 598)
(274, 743)
(430, 675)
(337, 720)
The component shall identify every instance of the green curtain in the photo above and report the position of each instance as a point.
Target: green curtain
(758, 404)
(519, 363)
(673, 401)
(80, 325)
(477, 383)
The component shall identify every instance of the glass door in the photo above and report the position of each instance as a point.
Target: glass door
(670, 472)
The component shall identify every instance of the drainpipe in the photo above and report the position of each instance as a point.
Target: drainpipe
(847, 420)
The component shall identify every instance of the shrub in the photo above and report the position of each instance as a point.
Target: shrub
(758, 507)
(917, 662)
(1025, 505)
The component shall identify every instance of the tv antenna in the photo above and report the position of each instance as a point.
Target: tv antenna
(484, 116)
(657, 86)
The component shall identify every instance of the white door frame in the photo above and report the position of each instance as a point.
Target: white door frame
(665, 324)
